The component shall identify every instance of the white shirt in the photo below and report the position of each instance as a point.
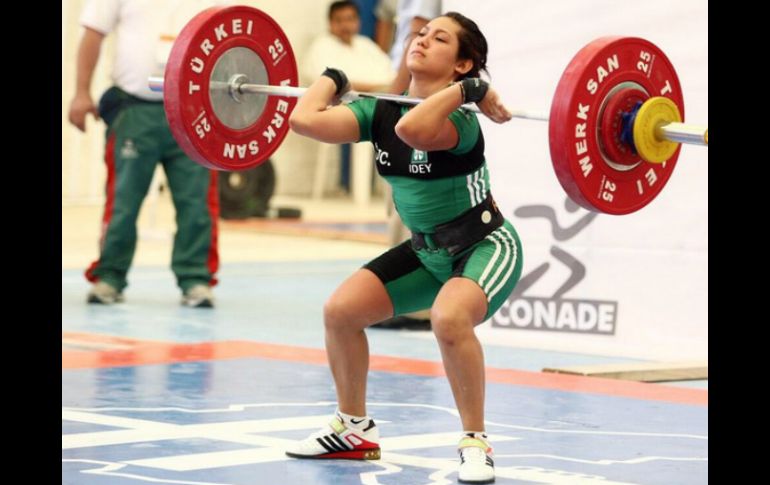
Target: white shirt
(362, 61)
(145, 30)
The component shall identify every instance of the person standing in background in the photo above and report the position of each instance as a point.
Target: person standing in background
(137, 139)
(410, 16)
(385, 24)
(368, 18)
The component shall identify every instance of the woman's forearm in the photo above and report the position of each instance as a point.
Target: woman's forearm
(309, 107)
(423, 123)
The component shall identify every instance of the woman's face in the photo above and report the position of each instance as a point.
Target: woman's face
(433, 51)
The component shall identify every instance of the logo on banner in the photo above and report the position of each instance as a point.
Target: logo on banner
(556, 313)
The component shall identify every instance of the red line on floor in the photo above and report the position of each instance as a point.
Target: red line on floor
(147, 352)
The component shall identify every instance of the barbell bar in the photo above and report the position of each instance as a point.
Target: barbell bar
(671, 131)
(615, 123)
(236, 86)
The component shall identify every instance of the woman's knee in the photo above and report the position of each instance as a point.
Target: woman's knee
(334, 313)
(360, 301)
(339, 314)
(450, 326)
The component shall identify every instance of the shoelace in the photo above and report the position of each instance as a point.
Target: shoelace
(474, 454)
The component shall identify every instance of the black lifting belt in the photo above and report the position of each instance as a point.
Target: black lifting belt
(462, 232)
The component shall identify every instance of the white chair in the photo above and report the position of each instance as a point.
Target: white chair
(361, 169)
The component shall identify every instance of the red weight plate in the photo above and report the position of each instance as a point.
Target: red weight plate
(209, 36)
(612, 147)
(595, 73)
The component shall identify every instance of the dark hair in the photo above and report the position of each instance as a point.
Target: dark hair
(473, 44)
(339, 5)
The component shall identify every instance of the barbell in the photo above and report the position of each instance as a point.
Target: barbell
(615, 123)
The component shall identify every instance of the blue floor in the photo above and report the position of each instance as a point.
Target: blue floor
(267, 302)
(225, 422)
(228, 421)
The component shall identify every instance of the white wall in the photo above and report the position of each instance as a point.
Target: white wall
(653, 263)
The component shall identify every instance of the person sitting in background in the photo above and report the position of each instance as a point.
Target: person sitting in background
(368, 67)
(365, 64)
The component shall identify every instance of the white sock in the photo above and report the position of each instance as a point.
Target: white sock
(475, 434)
(356, 422)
